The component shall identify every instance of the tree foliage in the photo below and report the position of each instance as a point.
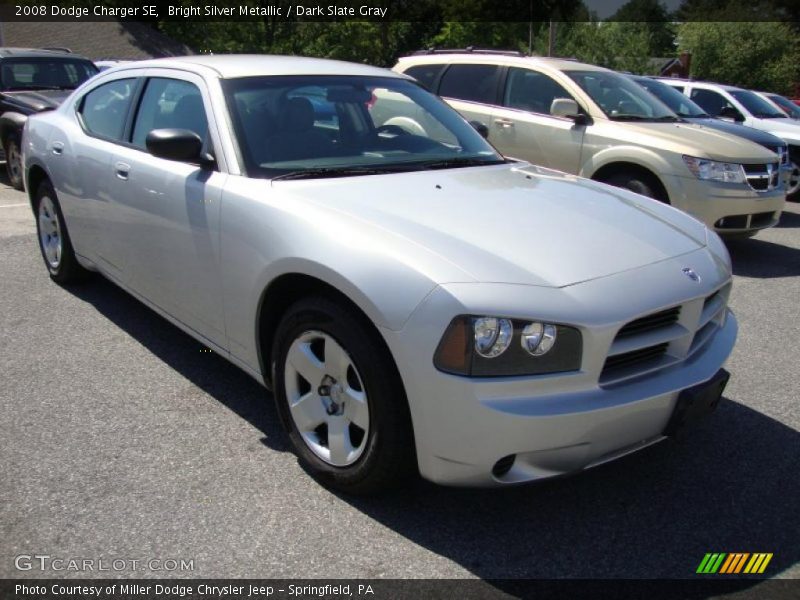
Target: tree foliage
(657, 19)
(762, 55)
(621, 46)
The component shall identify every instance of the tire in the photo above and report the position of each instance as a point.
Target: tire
(54, 242)
(639, 183)
(332, 373)
(793, 183)
(13, 161)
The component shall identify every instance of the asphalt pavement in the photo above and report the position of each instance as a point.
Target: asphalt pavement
(121, 438)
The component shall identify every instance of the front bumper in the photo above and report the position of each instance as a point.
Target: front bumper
(552, 424)
(728, 209)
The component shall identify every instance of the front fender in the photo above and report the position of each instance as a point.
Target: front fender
(642, 157)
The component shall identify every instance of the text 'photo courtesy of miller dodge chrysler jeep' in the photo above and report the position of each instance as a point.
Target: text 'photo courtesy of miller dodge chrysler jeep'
(416, 301)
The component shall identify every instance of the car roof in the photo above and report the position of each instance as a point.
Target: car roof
(38, 53)
(558, 64)
(253, 65)
(722, 86)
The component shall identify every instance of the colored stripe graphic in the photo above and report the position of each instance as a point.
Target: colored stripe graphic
(758, 563)
(711, 562)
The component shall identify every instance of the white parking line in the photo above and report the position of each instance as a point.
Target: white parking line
(13, 205)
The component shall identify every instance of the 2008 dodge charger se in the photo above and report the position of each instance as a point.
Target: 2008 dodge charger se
(415, 301)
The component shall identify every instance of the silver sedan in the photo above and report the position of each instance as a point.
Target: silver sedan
(416, 302)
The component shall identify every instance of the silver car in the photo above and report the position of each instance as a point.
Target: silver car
(416, 302)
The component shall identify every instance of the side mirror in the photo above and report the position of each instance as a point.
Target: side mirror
(568, 108)
(176, 144)
(731, 113)
(480, 128)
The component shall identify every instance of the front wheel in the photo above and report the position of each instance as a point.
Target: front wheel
(639, 183)
(13, 161)
(339, 392)
(793, 180)
(54, 242)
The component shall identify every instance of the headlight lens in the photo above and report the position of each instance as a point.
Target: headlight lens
(538, 338)
(492, 336)
(711, 170)
(485, 346)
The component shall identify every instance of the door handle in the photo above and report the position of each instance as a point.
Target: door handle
(504, 123)
(122, 170)
(57, 148)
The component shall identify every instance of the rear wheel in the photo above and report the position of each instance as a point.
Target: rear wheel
(340, 394)
(54, 242)
(13, 161)
(640, 183)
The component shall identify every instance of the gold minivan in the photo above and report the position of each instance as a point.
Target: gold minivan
(596, 123)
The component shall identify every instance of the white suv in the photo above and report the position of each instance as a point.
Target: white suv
(596, 123)
(750, 109)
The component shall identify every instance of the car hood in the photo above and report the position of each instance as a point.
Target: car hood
(38, 100)
(785, 128)
(507, 223)
(754, 135)
(702, 142)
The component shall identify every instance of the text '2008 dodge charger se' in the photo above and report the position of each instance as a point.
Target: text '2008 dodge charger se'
(415, 301)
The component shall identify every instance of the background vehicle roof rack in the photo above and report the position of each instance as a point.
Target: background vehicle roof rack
(57, 49)
(469, 50)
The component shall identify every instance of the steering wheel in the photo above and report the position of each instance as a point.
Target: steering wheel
(391, 129)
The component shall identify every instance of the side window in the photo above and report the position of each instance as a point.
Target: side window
(711, 102)
(103, 110)
(425, 74)
(532, 91)
(169, 104)
(476, 83)
(680, 88)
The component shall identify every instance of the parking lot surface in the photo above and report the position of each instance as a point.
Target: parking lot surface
(121, 438)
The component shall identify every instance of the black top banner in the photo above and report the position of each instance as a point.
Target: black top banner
(394, 10)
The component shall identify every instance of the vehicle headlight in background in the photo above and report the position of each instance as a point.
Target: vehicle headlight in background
(485, 346)
(711, 170)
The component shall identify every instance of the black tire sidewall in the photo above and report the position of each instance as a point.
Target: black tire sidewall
(68, 269)
(385, 396)
(635, 184)
(13, 139)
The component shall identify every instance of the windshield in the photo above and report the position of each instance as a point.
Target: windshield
(677, 102)
(756, 105)
(620, 98)
(789, 107)
(44, 73)
(318, 126)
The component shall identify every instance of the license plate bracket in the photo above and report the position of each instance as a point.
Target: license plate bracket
(696, 402)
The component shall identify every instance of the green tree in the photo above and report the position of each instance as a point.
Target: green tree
(757, 55)
(616, 45)
(657, 19)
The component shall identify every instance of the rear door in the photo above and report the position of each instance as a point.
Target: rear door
(523, 127)
(473, 90)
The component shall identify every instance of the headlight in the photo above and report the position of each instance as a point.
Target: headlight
(483, 346)
(711, 170)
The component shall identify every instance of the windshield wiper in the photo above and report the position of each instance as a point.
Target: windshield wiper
(323, 172)
(463, 161)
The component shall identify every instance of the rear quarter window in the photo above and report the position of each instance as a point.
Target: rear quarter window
(475, 83)
(425, 75)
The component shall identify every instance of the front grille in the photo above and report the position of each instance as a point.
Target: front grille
(741, 221)
(761, 219)
(665, 318)
(763, 178)
(634, 357)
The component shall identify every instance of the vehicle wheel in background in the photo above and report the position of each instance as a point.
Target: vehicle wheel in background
(13, 161)
(793, 181)
(640, 183)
